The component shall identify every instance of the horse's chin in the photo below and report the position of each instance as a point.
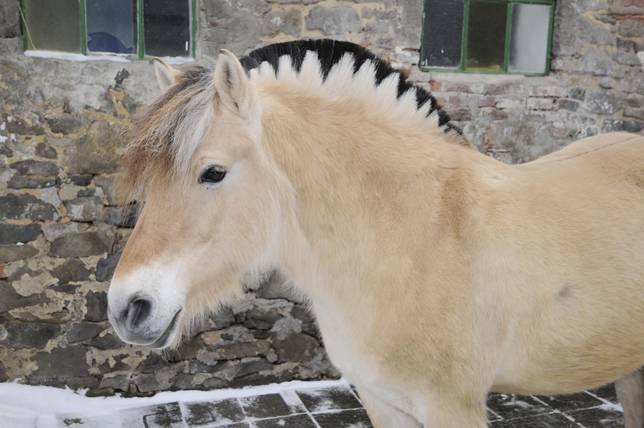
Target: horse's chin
(171, 337)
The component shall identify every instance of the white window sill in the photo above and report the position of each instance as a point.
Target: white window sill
(68, 56)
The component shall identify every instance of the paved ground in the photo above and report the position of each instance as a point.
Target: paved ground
(340, 407)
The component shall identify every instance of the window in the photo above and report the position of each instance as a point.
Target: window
(129, 27)
(488, 36)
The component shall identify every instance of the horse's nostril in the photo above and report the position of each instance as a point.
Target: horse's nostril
(137, 312)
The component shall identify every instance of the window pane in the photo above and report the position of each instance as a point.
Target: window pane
(111, 26)
(529, 40)
(443, 33)
(486, 37)
(53, 24)
(167, 27)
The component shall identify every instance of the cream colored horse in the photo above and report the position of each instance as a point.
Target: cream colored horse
(436, 274)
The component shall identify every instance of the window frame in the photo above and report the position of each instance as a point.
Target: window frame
(139, 30)
(506, 48)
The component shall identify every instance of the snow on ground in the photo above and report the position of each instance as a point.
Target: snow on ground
(27, 406)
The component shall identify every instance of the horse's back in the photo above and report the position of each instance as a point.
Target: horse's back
(604, 146)
(582, 239)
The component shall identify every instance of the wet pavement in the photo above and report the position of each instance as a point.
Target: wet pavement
(340, 407)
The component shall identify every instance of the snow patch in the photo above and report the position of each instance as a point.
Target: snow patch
(42, 406)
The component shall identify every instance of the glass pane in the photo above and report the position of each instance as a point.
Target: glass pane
(529, 40)
(443, 33)
(53, 24)
(167, 27)
(486, 37)
(111, 26)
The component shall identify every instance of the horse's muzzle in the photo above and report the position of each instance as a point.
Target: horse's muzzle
(137, 324)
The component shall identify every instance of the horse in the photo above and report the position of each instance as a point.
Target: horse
(436, 274)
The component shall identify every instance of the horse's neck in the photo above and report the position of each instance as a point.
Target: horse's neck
(359, 178)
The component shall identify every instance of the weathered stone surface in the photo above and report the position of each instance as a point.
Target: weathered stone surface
(96, 304)
(602, 103)
(29, 334)
(80, 245)
(34, 167)
(10, 299)
(9, 19)
(121, 216)
(13, 233)
(297, 347)
(106, 341)
(73, 270)
(106, 266)
(82, 331)
(333, 21)
(44, 150)
(31, 182)
(97, 152)
(25, 207)
(107, 183)
(65, 123)
(10, 253)
(266, 312)
(288, 21)
(62, 364)
(84, 209)
(626, 7)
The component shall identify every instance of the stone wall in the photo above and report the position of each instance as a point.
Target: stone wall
(61, 231)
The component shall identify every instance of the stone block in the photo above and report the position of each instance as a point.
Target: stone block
(11, 253)
(106, 266)
(96, 306)
(97, 151)
(62, 363)
(80, 245)
(14, 233)
(287, 21)
(626, 7)
(296, 347)
(537, 103)
(9, 19)
(29, 334)
(334, 20)
(44, 150)
(121, 216)
(602, 103)
(65, 123)
(82, 331)
(84, 210)
(72, 270)
(25, 207)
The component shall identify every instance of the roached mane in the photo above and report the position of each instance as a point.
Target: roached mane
(166, 134)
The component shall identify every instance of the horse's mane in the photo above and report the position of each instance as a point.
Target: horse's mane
(164, 136)
(329, 52)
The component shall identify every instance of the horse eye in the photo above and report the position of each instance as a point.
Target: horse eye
(212, 174)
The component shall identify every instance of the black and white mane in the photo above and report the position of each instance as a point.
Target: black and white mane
(329, 53)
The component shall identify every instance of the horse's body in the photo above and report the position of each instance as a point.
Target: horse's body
(436, 274)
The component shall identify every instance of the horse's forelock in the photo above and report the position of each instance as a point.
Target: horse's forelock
(164, 135)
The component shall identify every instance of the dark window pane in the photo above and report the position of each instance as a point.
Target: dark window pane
(167, 27)
(529, 41)
(53, 24)
(486, 37)
(111, 26)
(443, 33)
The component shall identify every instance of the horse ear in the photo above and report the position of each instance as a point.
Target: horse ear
(166, 74)
(232, 84)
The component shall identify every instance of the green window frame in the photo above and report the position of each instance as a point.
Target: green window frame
(139, 30)
(462, 66)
